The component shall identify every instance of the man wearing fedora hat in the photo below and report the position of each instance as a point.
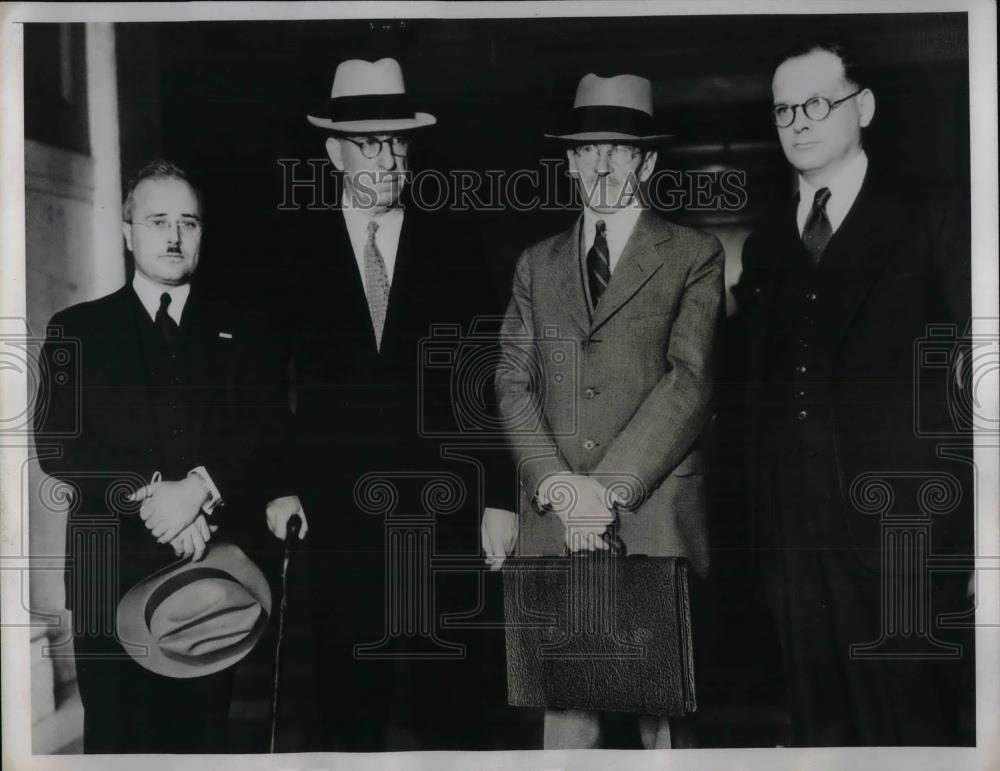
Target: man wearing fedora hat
(161, 415)
(639, 299)
(375, 279)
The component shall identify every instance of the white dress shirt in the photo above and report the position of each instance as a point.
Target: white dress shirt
(844, 188)
(149, 295)
(390, 224)
(619, 228)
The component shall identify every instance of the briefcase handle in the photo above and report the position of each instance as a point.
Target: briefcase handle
(610, 536)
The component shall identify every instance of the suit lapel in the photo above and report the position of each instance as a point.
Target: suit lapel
(210, 365)
(567, 277)
(640, 259)
(781, 249)
(856, 256)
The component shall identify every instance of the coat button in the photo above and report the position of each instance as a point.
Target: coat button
(590, 444)
(802, 415)
(811, 296)
(589, 393)
(801, 369)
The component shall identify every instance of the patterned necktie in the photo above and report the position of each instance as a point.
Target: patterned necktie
(376, 284)
(817, 231)
(599, 264)
(166, 325)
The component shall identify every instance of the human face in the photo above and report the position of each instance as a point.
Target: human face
(608, 174)
(371, 183)
(819, 148)
(164, 235)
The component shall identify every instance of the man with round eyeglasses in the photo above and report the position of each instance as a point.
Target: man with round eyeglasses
(175, 394)
(376, 278)
(610, 459)
(838, 288)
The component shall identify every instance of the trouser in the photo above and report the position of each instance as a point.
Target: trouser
(574, 729)
(825, 602)
(128, 709)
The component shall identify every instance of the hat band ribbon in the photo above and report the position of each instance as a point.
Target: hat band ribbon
(370, 107)
(618, 120)
(175, 582)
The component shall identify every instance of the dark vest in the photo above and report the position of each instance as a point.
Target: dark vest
(799, 370)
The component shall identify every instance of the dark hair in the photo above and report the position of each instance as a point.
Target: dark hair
(843, 50)
(155, 169)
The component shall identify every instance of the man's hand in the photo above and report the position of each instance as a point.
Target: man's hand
(582, 505)
(499, 533)
(280, 510)
(192, 539)
(169, 507)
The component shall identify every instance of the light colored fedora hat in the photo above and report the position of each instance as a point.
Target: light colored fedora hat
(613, 109)
(369, 97)
(195, 618)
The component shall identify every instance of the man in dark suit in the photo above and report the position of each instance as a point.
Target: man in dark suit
(837, 292)
(162, 391)
(377, 281)
(607, 349)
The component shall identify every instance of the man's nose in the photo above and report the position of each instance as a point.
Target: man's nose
(799, 119)
(603, 165)
(386, 159)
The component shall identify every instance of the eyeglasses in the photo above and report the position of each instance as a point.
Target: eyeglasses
(816, 108)
(616, 154)
(164, 225)
(371, 147)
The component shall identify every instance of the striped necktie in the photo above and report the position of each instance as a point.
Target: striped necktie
(376, 284)
(817, 232)
(599, 264)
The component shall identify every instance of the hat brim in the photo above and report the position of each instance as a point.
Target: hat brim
(609, 136)
(419, 120)
(136, 638)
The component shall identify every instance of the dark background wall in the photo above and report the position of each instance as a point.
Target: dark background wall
(229, 99)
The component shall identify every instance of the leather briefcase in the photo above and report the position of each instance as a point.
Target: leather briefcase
(599, 631)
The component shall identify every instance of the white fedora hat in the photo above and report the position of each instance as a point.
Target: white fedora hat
(613, 109)
(369, 97)
(194, 618)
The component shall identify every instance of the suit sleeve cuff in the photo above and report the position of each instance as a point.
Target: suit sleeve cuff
(214, 499)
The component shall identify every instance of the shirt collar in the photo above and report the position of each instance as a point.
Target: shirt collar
(844, 188)
(148, 292)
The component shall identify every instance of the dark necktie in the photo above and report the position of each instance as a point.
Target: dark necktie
(166, 325)
(599, 263)
(817, 231)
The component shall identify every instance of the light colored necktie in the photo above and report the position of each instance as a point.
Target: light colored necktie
(376, 284)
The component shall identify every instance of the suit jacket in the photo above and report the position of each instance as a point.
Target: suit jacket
(622, 396)
(392, 411)
(898, 263)
(97, 432)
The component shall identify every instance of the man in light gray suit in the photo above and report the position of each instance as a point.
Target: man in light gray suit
(606, 373)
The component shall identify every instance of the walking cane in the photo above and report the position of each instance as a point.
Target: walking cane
(291, 541)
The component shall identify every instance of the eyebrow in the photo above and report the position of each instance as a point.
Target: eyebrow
(164, 214)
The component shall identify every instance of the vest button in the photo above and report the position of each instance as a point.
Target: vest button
(589, 393)
(801, 369)
(811, 296)
(590, 444)
(802, 415)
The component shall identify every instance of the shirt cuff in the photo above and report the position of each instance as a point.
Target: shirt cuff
(214, 499)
